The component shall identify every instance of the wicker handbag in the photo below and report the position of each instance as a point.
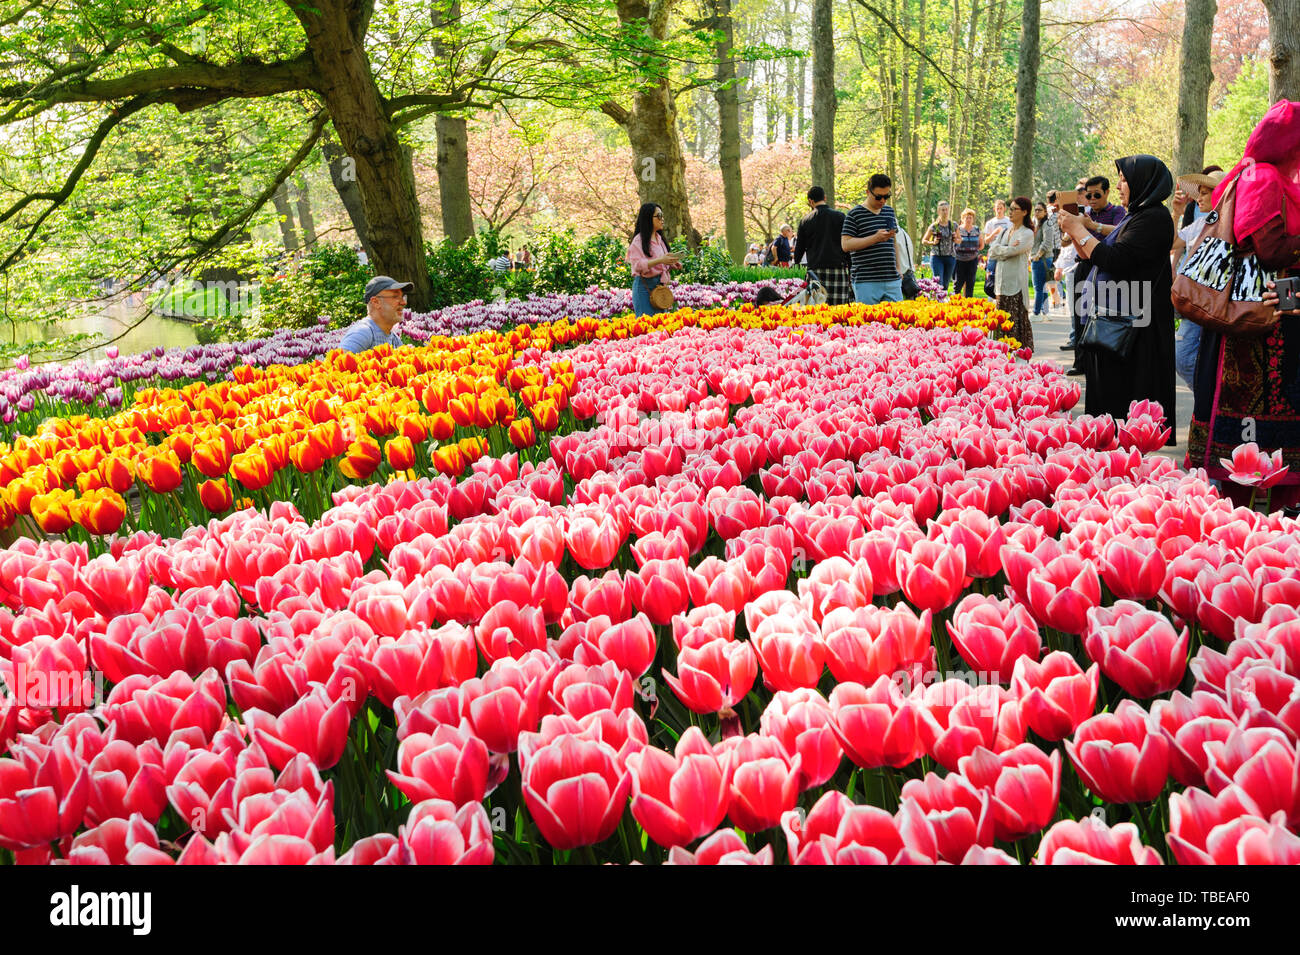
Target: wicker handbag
(1218, 287)
(661, 297)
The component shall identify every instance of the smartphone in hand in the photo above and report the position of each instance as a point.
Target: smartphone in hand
(1288, 294)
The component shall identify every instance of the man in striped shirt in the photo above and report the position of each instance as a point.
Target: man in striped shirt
(868, 236)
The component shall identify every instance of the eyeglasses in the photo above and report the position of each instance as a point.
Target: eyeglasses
(880, 197)
(396, 296)
(658, 215)
(1093, 195)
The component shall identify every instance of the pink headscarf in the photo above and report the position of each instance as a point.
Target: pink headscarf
(1269, 172)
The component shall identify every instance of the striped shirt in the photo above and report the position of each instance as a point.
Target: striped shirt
(875, 263)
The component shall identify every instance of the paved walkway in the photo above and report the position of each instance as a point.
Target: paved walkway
(1052, 332)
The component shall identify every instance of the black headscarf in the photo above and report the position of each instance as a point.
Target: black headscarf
(1149, 181)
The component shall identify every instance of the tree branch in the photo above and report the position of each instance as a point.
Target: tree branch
(893, 28)
(56, 199)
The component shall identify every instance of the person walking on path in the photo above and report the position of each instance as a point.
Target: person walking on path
(869, 231)
(1010, 249)
(818, 243)
(942, 235)
(649, 258)
(1133, 256)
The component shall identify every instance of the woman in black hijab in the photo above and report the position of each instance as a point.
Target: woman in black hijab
(1132, 266)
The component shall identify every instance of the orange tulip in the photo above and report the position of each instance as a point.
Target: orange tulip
(212, 458)
(101, 511)
(328, 440)
(8, 513)
(463, 409)
(251, 469)
(276, 450)
(361, 458)
(182, 444)
(216, 496)
(413, 429)
(472, 448)
(306, 456)
(117, 472)
(522, 434)
(89, 481)
(161, 471)
(379, 420)
(52, 511)
(400, 453)
(441, 426)
(449, 460)
(546, 415)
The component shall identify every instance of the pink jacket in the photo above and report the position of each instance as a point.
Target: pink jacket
(637, 258)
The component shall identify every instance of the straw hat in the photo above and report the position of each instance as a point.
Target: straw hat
(1200, 179)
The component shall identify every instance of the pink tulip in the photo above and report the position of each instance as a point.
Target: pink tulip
(1251, 467)
(724, 847)
(802, 721)
(932, 574)
(954, 719)
(876, 726)
(1133, 568)
(838, 832)
(315, 726)
(575, 791)
(714, 676)
(440, 833)
(1090, 841)
(1137, 648)
(679, 798)
(991, 634)
(43, 793)
(1121, 756)
(870, 642)
(506, 700)
(764, 781)
(1024, 785)
(960, 815)
(451, 764)
(1055, 695)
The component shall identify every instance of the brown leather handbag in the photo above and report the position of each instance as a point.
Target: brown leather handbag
(1220, 287)
(661, 297)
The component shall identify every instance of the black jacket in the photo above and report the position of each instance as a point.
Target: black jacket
(819, 239)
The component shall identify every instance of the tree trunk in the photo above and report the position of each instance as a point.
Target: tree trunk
(651, 126)
(335, 40)
(745, 97)
(729, 132)
(802, 104)
(1022, 149)
(453, 179)
(284, 215)
(305, 219)
(787, 33)
(824, 102)
(343, 174)
(1284, 49)
(1194, 78)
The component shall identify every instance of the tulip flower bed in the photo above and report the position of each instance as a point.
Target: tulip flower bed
(827, 594)
(300, 433)
(29, 394)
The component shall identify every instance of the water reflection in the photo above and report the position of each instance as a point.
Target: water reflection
(115, 320)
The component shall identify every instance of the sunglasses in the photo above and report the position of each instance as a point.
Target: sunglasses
(1093, 195)
(880, 197)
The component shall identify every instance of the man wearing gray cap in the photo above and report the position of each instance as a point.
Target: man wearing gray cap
(385, 301)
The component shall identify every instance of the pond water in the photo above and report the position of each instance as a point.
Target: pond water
(130, 326)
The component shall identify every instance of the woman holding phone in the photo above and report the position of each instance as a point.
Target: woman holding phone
(649, 258)
(1133, 259)
(1252, 385)
(1010, 250)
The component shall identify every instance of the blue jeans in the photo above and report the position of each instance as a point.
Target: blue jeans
(1041, 269)
(1185, 352)
(944, 267)
(641, 294)
(873, 293)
